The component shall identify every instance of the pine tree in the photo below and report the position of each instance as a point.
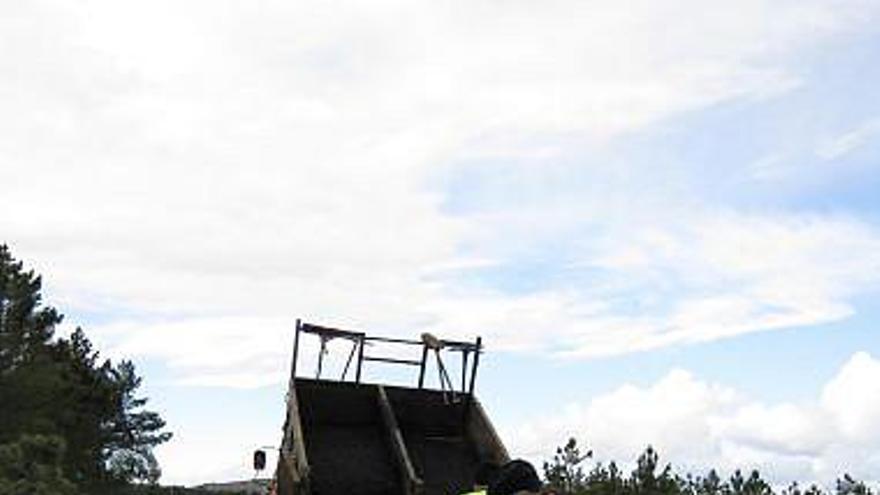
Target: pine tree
(25, 325)
(648, 479)
(564, 473)
(59, 389)
(33, 466)
(131, 432)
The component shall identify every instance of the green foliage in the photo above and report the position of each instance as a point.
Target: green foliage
(564, 475)
(32, 466)
(131, 433)
(565, 472)
(25, 327)
(58, 388)
(849, 486)
(794, 489)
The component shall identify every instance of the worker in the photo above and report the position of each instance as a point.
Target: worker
(515, 477)
(484, 475)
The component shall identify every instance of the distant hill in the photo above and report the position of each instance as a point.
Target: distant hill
(246, 487)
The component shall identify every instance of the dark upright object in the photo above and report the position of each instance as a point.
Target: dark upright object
(350, 438)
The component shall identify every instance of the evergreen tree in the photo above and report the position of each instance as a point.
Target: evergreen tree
(709, 485)
(647, 480)
(753, 485)
(32, 466)
(131, 432)
(564, 474)
(58, 388)
(794, 489)
(28, 376)
(25, 326)
(848, 486)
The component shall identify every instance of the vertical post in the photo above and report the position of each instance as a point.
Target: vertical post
(321, 357)
(476, 364)
(354, 347)
(295, 351)
(469, 398)
(360, 360)
(464, 364)
(445, 381)
(423, 366)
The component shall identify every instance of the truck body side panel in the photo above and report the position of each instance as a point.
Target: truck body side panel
(354, 447)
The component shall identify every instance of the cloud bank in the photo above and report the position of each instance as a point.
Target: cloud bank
(192, 175)
(697, 425)
(260, 163)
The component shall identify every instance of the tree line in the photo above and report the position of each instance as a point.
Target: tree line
(565, 475)
(70, 422)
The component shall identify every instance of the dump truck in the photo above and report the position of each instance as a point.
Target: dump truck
(343, 436)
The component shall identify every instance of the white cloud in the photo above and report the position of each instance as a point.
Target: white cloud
(772, 167)
(263, 162)
(853, 399)
(196, 173)
(698, 425)
(707, 276)
(236, 352)
(203, 455)
(760, 273)
(849, 141)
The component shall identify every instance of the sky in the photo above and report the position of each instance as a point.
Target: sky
(661, 217)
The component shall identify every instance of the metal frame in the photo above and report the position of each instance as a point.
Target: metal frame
(361, 339)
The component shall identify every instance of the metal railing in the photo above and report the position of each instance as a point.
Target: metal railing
(360, 340)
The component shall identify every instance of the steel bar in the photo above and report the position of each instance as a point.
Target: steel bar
(390, 340)
(454, 344)
(354, 347)
(445, 381)
(449, 344)
(295, 351)
(321, 357)
(424, 365)
(476, 364)
(464, 365)
(360, 359)
(410, 362)
(330, 332)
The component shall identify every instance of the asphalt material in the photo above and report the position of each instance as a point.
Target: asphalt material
(347, 445)
(446, 464)
(350, 460)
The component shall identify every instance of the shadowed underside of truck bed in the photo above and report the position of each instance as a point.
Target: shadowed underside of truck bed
(375, 440)
(347, 448)
(351, 438)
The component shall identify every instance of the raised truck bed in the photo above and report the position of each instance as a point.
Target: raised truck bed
(353, 438)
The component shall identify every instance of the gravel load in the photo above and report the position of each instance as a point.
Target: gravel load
(352, 460)
(348, 446)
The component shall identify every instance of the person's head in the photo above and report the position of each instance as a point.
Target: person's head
(515, 478)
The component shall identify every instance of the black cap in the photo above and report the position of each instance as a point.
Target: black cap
(513, 477)
(486, 473)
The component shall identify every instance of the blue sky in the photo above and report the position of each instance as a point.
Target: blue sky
(661, 216)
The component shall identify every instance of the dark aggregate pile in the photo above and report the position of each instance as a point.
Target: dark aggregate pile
(347, 445)
(433, 430)
(350, 460)
(446, 464)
